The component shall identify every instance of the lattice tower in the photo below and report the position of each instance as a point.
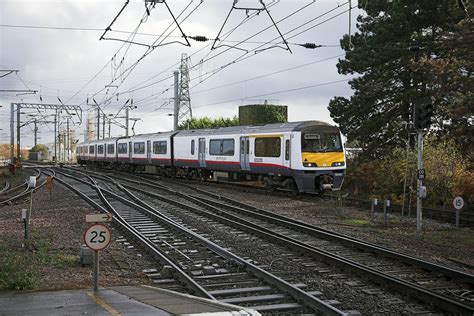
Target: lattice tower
(185, 112)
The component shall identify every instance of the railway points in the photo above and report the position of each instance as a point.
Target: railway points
(274, 191)
(191, 205)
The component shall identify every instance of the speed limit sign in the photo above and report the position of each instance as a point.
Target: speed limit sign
(458, 202)
(97, 237)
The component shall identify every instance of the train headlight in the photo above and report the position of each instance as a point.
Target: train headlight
(309, 164)
(337, 164)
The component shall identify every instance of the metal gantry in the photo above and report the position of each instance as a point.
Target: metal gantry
(61, 111)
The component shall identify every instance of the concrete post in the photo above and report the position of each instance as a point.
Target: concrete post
(18, 152)
(126, 120)
(12, 132)
(55, 135)
(103, 127)
(36, 133)
(98, 122)
(176, 100)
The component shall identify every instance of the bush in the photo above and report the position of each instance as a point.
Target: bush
(16, 271)
(448, 174)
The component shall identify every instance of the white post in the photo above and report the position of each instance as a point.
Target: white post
(419, 214)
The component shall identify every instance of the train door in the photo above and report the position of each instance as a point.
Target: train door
(244, 153)
(202, 152)
(148, 150)
(95, 152)
(286, 151)
(130, 151)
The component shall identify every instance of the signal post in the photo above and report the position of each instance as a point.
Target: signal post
(422, 120)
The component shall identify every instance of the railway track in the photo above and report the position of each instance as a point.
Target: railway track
(447, 216)
(208, 269)
(434, 284)
(12, 194)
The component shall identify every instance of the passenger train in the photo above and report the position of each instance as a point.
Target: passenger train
(304, 156)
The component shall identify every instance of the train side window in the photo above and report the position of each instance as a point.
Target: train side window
(287, 149)
(139, 148)
(100, 149)
(91, 149)
(110, 149)
(192, 147)
(215, 147)
(159, 147)
(268, 147)
(227, 147)
(122, 148)
(221, 147)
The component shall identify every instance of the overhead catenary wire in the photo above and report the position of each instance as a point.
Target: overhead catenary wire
(277, 92)
(245, 20)
(247, 56)
(147, 52)
(240, 58)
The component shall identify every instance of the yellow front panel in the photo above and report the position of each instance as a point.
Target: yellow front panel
(323, 159)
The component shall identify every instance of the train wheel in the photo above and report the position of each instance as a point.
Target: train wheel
(290, 185)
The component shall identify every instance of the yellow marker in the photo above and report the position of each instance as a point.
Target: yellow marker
(103, 304)
(49, 182)
(323, 159)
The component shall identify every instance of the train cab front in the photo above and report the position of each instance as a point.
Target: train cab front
(323, 161)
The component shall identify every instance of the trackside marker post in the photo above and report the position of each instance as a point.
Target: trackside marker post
(458, 204)
(97, 237)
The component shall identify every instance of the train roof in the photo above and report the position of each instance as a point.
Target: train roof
(147, 136)
(247, 129)
(268, 128)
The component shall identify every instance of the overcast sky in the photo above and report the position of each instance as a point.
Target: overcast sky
(73, 64)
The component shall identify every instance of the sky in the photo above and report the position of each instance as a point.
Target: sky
(56, 46)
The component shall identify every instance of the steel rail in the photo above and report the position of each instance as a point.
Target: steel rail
(330, 235)
(467, 218)
(427, 296)
(347, 240)
(320, 232)
(182, 276)
(26, 191)
(295, 292)
(5, 187)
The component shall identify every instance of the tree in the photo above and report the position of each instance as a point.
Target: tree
(406, 51)
(206, 122)
(260, 114)
(40, 148)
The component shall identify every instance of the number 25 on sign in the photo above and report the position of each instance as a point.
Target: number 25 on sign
(97, 237)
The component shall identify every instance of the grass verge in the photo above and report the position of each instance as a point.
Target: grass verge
(20, 267)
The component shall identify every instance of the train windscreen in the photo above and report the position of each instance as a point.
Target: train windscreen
(321, 142)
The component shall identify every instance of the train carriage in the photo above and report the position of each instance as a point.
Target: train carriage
(300, 156)
(307, 156)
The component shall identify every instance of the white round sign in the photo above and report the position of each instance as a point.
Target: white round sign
(97, 237)
(458, 202)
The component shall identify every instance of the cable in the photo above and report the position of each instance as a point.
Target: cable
(276, 92)
(242, 57)
(137, 87)
(268, 74)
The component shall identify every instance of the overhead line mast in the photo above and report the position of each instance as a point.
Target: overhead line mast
(185, 111)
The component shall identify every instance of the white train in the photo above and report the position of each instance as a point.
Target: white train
(300, 156)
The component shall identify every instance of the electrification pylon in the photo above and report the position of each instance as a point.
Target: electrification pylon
(185, 112)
